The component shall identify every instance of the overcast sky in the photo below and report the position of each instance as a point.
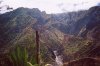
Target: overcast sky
(53, 6)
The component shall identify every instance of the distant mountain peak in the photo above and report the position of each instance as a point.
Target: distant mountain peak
(95, 8)
(22, 9)
(98, 4)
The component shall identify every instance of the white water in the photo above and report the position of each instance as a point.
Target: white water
(58, 59)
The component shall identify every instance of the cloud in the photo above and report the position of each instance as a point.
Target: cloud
(76, 5)
(60, 4)
(53, 6)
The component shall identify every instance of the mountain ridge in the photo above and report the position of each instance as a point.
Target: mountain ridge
(69, 33)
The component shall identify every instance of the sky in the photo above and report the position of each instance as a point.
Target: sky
(53, 6)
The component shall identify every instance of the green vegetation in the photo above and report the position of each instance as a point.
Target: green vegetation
(74, 45)
(19, 57)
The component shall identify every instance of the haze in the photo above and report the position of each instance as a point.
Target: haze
(53, 6)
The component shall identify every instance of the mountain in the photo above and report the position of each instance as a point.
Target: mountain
(92, 33)
(72, 34)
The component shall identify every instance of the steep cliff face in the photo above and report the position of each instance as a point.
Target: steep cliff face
(68, 22)
(94, 20)
(73, 23)
(92, 34)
